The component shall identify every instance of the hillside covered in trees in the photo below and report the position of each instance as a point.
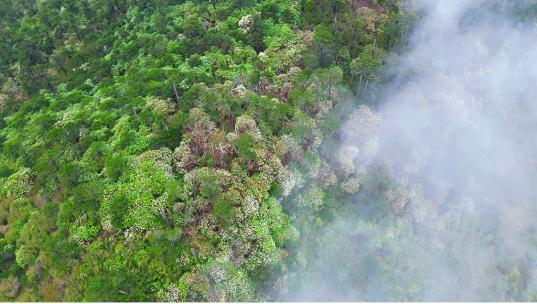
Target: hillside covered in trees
(268, 150)
(170, 150)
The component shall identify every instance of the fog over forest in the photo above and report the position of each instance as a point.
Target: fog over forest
(455, 131)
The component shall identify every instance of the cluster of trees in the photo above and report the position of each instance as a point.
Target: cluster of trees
(171, 150)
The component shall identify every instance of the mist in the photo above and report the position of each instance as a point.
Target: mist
(447, 168)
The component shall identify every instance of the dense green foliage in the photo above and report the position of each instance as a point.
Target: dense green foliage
(151, 150)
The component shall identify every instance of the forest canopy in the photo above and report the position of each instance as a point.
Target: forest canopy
(268, 150)
(152, 150)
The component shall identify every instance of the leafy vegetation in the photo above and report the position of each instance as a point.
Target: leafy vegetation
(153, 150)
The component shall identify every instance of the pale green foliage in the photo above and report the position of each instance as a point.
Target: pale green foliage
(246, 125)
(312, 198)
(18, 184)
(162, 159)
(228, 283)
(25, 255)
(161, 107)
(142, 194)
(290, 179)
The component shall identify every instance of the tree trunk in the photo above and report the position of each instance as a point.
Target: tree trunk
(175, 92)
